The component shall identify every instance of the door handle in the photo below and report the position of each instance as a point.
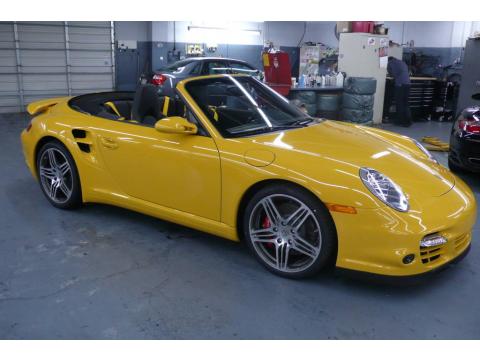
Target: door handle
(109, 143)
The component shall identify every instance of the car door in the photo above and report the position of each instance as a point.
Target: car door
(177, 171)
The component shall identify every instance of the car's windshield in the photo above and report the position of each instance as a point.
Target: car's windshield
(241, 106)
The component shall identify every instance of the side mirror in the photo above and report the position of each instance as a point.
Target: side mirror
(175, 125)
(476, 96)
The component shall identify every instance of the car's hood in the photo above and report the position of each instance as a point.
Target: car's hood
(347, 148)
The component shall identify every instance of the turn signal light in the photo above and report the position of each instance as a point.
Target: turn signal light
(342, 208)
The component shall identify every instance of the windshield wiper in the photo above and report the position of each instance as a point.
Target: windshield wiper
(286, 127)
(266, 129)
(303, 122)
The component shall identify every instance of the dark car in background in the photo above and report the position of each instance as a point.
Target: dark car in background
(465, 141)
(166, 78)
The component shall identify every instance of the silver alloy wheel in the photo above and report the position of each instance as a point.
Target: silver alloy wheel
(56, 175)
(285, 233)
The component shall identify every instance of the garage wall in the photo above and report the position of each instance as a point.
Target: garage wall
(133, 30)
(244, 40)
(132, 62)
(441, 34)
(51, 59)
(441, 40)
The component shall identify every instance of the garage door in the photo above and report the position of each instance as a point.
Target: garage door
(50, 59)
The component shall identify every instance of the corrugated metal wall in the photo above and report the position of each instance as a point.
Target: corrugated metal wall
(50, 59)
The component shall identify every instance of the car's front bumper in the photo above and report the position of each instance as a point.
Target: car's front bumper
(377, 240)
(465, 152)
(405, 279)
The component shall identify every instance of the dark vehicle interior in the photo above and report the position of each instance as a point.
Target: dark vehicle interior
(142, 107)
(235, 112)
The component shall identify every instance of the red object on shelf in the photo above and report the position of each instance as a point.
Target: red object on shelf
(278, 73)
(363, 26)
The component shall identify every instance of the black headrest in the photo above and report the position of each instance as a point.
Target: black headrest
(146, 104)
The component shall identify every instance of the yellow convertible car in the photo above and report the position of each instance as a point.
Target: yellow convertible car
(229, 156)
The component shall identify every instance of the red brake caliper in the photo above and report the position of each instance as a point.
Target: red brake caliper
(265, 225)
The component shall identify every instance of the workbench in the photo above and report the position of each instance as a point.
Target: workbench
(318, 89)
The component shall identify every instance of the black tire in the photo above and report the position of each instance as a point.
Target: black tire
(311, 109)
(329, 115)
(328, 245)
(305, 96)
(357, 102)
(328, 102)
(360, 85)
(74, 200)
(357, 116)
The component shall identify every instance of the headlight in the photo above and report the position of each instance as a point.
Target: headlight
(384, 189)
(425, 151)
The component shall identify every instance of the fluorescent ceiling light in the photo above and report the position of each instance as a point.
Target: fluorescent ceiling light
(251, 31)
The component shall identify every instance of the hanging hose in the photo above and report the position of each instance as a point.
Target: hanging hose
(435, 144)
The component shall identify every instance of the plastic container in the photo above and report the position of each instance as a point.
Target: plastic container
(340, 79)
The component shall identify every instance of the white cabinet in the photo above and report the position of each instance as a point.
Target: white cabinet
(360, 55)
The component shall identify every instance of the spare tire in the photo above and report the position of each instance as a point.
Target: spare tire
(360, 102)
(357, 116)
(305, 96)
(329, 115)
(328, 102)
(360, 85)
(311, 109)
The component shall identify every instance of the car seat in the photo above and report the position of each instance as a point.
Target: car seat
(121, 108)
(146, 107)
(172, 107)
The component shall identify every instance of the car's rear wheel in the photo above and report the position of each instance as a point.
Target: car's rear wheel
(289, 230)
(58, 176)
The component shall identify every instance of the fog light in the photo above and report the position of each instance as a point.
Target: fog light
(432, 240)
(408, 259)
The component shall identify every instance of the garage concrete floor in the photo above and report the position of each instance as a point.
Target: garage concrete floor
(107, 273)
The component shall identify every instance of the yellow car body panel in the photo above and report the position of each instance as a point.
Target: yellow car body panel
(201, 181)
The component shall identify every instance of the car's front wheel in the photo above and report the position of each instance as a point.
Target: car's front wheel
(58, 176)
(289, 230)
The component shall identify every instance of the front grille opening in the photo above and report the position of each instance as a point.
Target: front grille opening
(430, 254)
(461, 242)
(474, 161)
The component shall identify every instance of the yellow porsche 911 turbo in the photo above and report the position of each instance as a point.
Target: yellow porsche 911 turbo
(229, 156)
